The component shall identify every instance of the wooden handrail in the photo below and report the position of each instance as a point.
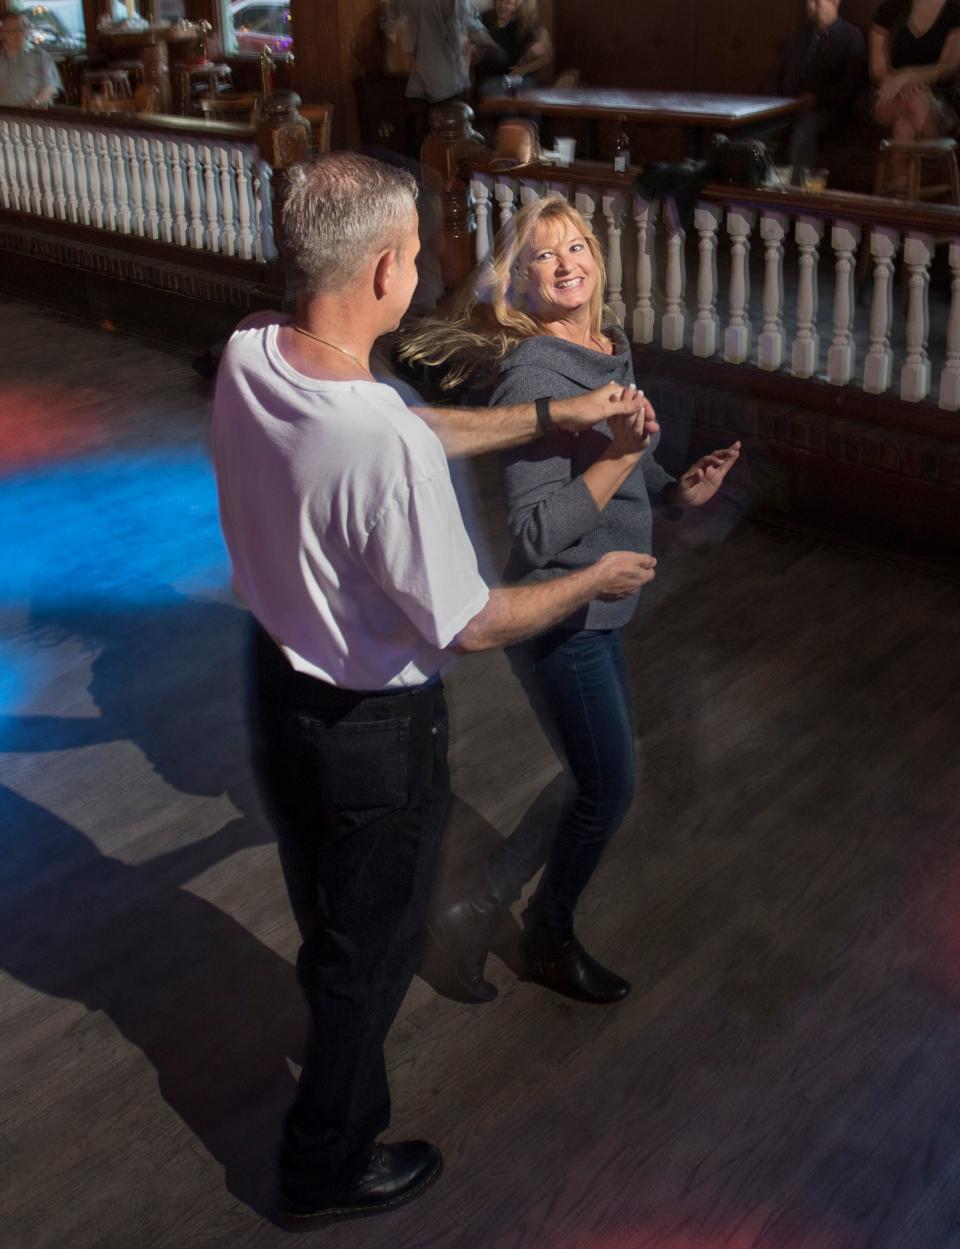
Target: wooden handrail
(937, 219)
(188, 127)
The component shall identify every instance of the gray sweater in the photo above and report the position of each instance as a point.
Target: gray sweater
(555, 524)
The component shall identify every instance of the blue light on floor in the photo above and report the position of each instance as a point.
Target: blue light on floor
(121, 530)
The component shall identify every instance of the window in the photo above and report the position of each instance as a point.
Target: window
(252, 25)
(57, 25)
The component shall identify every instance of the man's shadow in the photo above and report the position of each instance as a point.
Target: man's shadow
(214, 1010)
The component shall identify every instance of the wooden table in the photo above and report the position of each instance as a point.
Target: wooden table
(697, 113)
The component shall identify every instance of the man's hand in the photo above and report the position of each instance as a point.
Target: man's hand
(632, 433)
(622, 573)
(702, 480)
(584, 411)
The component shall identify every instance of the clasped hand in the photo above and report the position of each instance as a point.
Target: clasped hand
(631, 431)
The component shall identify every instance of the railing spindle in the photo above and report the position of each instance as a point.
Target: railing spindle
(193, 196)
(773, 230)
(92, 162)
(136, 185)
(244, 206)
(120, 183)
(736, 340)
(504, 190)
(614, 207)
(806, 346)
(915, 374)
(674, 323)
(706, 220)
(163, 190)
(841, 355)
(210, 199)
(229, 234)
(40, 131)
(644, 315)
(35, 200)
(20, 168)
(180, 225)
(80, 172)
(151, 213)
(6, 192)
(878, 366)
(56, 168)
(108, 191)
(69, 176)
(480, 186)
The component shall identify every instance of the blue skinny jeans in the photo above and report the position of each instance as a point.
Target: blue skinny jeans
(578, 688)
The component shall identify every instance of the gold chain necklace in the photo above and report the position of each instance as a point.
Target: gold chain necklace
(343, 351)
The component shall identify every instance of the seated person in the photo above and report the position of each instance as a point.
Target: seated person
(914, 59)
(825, 61)
(522, 44)
(28, 76)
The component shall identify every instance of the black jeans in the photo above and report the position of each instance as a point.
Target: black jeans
(578, 687)
(358, 787)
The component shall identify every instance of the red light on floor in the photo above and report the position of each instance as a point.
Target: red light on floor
(42, 423)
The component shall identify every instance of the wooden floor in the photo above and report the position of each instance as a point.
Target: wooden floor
(783, 895)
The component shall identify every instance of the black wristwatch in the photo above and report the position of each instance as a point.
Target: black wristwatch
(544, 419)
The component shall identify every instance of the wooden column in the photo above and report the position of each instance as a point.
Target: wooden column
(283, 137)
(451, 138)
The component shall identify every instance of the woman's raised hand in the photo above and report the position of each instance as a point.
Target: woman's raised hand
(631, 432)
(703, 479)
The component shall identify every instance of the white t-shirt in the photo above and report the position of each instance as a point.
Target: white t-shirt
(342, 525)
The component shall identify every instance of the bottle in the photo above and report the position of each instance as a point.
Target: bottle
(621, 147)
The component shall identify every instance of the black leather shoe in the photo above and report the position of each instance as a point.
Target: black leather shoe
(559, 962)
(463, 932)
(394, 1175)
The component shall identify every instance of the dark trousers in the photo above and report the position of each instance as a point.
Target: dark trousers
(577, 685)
(358, 788)
(805, 139)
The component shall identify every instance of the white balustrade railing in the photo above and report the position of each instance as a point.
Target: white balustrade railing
(875, 275)
(210, 194)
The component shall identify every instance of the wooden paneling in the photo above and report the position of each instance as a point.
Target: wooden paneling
(334, 43)
(695, 44)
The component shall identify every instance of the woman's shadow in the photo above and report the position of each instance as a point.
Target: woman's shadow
(215, 1011)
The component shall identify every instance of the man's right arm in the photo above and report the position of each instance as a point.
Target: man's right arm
(475, 431)
(513, 613)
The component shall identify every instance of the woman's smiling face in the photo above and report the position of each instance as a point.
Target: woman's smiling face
(560, 270)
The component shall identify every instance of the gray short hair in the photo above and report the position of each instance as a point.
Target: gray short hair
(338, 212)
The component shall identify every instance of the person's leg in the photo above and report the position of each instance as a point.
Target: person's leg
(577, 687)
(584, 688)
(897, 115)
(359, 789)
(805, 139)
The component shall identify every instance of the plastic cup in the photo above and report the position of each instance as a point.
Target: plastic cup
(565, 150)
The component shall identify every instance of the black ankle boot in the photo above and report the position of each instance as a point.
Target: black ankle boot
(559, 962)
(463, 931)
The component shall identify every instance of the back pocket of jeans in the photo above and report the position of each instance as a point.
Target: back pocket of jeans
(364, 768)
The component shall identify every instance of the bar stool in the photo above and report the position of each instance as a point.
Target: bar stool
(134, 70)
(197, 82)
(921, 156)
(109, 84)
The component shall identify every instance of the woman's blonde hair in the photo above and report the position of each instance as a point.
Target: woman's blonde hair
(490, 317)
